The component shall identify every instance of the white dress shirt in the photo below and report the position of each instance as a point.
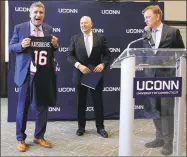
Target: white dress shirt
(90, 40)
(158, 35)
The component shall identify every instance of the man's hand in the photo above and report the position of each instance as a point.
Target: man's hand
(26, 42)
(83, 69)
(99, 68)
(54, 41)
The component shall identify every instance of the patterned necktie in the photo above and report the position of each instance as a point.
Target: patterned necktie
(36, 32)
(154, 38)
(154, 35)
(87, 44)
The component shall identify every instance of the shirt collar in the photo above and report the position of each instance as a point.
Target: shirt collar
(89, 34)
(33, 27)
(159, 28)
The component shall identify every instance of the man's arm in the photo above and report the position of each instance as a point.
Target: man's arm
(15, 43)
(71, 57)
(178, 42)
(106, 52)
(106, 56)
(71, 53)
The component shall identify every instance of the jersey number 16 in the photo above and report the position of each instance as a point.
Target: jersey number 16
(40, 59)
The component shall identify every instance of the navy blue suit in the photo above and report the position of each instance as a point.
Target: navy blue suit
(23, 78)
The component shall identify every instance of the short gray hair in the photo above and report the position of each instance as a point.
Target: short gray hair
(37, 4)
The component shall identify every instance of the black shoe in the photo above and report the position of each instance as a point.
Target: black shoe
(167, 149)
(155, 143)
(80, 131)
(103, 133)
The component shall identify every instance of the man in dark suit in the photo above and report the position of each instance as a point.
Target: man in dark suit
(88, 48)
(164, 37)
(25, 69)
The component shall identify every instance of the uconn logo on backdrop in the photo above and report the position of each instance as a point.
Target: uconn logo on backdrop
(56, 30)
(66, 89)
(54, 109)
(98, 30)
(111, 12)
(22, 9)
(67, 11)
(111, 89)
(16, 89)
(134, 31)
(138, 107)
(90, 109)
(57, 67)
(138, 68)
(63, 49)
(115, 50)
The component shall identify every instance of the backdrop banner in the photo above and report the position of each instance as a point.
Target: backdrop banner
(119, 22)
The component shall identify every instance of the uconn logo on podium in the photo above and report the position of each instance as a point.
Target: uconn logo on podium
(158, 87)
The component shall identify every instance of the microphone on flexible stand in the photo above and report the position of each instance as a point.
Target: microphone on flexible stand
(148, 36)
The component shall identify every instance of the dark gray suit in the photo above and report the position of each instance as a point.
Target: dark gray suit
(170, 38)
(99, 54)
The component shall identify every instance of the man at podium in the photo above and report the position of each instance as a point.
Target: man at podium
(163, 36)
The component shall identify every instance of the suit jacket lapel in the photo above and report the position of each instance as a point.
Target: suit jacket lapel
(27, 30)
(94, 40)
(164, 35)
(82, 44)
(94, 43)
(45, 31)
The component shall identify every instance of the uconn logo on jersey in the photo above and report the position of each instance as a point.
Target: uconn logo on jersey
(115, 50)
(134, 31)
(111, 89)
(68, 11)
(22, 9)
(66, 89)
(63, 49)
(98, 30)
(111, 12)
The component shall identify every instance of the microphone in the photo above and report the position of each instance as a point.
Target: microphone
(148, 36)
(127, 50)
